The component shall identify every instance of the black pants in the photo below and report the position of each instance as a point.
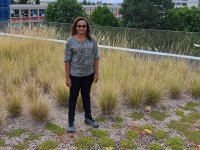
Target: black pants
(84, 84)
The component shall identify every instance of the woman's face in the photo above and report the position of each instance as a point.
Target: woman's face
(81, 27)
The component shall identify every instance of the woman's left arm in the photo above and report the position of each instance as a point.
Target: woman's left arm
(96, 62)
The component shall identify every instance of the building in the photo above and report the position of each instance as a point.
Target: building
(4, 10)
(186, 3)
(114, 9)
(30, 13)
(27, 13)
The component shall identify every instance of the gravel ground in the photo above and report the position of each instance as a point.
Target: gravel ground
(59, 117)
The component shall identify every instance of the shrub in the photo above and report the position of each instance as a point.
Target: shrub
(39, 110)
(2, 118)
(195, 86)
(108, 94)
(14, 105)
(61, 93)
(31, 90)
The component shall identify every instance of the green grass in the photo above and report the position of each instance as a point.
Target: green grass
(154, 146)
(118, 119)
(160, 134)
(180, 113)
(179, 126)
(2, 143)
(117, 126)
(106, 142)
(55, 128)
(32, 137)
(191, 105)
(84, 142)
(176, 143)
(127, 144)
(16, 132)
(191, 118)
(194, 136)
(47, 145)
(147, 126)
(22, 146)
(101, 119)
(158, 115)
(137, 115)
(130, 134)
(99, 133)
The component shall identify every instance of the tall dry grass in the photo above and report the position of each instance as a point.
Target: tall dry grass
(124, 77)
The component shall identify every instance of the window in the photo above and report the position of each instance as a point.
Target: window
(184, 4)
(14, 13)
(41, 12)
(34, 13)
(24, 12)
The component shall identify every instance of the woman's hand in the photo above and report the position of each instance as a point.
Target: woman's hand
(96, 78)
(68, 82)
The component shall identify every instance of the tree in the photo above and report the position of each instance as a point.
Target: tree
(102, 16)
(144, 13)
(23, 1)
(84, 2)
(64, 11)
(37, 1)
(183, 19)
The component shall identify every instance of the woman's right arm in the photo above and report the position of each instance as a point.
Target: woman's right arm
(67, 60)
(67, 70)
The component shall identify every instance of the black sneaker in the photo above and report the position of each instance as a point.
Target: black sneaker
(92, 123)
(71, 127)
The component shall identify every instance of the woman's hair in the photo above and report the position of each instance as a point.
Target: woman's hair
(88, 29)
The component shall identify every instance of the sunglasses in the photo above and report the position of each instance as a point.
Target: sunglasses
(81, 26)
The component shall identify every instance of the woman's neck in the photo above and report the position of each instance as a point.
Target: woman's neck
(81, 36)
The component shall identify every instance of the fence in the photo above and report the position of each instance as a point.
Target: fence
(176, 42)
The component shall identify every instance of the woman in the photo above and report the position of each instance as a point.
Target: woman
(81, 66)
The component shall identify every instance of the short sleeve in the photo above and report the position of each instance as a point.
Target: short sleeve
(96, 50)
(67, 53)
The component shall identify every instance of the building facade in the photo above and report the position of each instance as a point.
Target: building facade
(30, 13)
(4, 10)
(186, 3)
